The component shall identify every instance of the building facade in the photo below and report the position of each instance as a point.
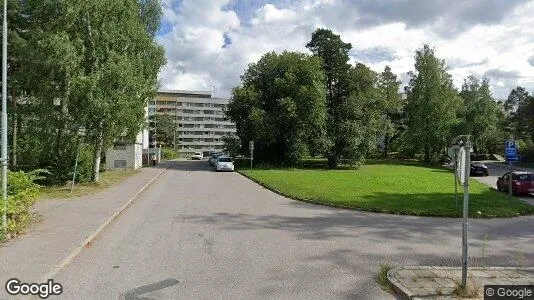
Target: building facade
(128, 155)
(199, 119)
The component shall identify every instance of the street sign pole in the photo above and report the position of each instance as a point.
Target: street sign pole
(467, 168)
(510, 150)
(251, 148)
(4, 119)
(510, 177)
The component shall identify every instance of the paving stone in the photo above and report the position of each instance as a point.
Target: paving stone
(419, 292)
(510, 273)
(496, 274)
(406, 274)
(428, 283)
(445, 282)
(479, 273)
(425, 273)
(410, 283)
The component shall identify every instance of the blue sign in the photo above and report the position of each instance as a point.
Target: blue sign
(510, 150)
(513, 158)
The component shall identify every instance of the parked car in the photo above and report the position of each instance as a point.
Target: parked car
(197, 156)
(478, 169)
(213, 158)
(522, 183)
(224, 163)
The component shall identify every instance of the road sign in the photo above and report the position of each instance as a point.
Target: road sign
(462, 159)
(510, 144)
(251, 145)
(510, 148)
(513, 158)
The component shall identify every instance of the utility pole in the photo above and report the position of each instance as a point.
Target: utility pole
(4, 118)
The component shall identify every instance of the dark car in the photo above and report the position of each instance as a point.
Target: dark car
(478, 169)
(522, 183)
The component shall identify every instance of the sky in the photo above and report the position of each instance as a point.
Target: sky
(210, 43)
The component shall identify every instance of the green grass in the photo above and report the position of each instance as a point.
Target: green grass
(402, 187)
(107, 179)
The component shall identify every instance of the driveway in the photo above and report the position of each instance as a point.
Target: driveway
(222, 236)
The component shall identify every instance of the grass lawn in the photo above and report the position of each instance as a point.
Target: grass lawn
(395, 187)
(107, 179)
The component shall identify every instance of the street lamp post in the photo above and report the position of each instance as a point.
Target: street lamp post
(81, 133)
(4, 118)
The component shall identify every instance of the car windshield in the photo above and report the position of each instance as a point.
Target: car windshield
(225, 159)
(524, 177)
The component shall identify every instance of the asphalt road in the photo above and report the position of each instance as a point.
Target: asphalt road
(222, 236)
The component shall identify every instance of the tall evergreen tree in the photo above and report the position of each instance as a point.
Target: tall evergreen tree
(334, 54)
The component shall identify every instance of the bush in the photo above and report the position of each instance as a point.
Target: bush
(22, 192)
(168, 153)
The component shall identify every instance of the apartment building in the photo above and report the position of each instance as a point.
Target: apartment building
(199, 119)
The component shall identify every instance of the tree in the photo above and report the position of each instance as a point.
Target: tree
(390, 102)
(334, 57)
(281, 106)
(120, 63)
(97, 61)
(431, 107)
(479, 113)
(165, 129)
(520, 106)
(361, 115)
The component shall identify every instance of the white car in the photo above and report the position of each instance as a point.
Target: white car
(197, 156)
(224, 163)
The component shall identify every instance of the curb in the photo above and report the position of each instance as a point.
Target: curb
(76, 251)
(404, 293)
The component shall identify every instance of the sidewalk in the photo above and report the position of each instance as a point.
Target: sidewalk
(64, 224)
(440, 282)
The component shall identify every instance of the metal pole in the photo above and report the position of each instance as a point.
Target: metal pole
(510, 178)
(4, 118)
(251, 160)
(467, 168)
(455, 184)
(75, 167)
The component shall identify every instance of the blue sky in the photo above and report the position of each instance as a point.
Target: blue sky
(211, 42)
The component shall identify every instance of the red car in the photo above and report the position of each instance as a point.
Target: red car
(522, 183)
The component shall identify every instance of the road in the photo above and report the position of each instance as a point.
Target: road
(222, 236)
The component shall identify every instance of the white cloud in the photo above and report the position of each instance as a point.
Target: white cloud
(197, 60)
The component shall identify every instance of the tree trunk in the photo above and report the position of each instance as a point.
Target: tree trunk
(97, 155)
(386, 145)
(15, 131)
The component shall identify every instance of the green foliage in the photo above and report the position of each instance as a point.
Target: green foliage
(280, 106)
(334, 56)
(232, 145)
(98, 61)
(480, 115)
(165, 129)
(432, 106)
(168, 153)
(391, 104)
(22, 194)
